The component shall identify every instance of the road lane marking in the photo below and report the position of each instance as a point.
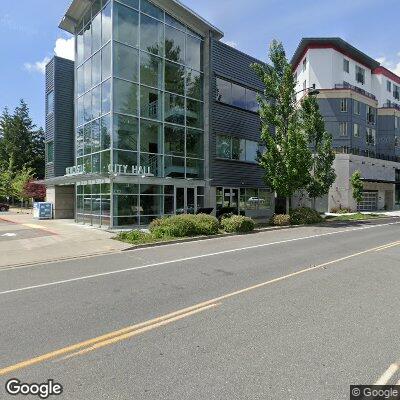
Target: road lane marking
(384, 379)
(126, 331)
(388, 246)
(93, 276)
(136, 332)
(109, 336)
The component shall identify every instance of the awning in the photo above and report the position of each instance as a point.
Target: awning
(378, 181)
(73, 179)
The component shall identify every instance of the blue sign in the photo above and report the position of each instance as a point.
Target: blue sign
(43, 210)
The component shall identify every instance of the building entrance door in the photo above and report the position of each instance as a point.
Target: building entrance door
(185, 200)
(369, 201)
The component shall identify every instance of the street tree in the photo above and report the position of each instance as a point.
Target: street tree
(20, 179)
(357, 186)
(322, 172)
(287, 159)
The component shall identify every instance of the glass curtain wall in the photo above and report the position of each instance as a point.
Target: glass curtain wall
(139, 97)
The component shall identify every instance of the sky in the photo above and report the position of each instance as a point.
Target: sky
(29, 34)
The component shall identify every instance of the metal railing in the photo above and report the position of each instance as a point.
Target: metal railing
(391, 105)
(365, 153)
(346, 85)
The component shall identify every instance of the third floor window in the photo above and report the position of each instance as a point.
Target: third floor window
(360, 75)
(346, 65)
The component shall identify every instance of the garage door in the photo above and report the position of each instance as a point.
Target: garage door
(369, 202)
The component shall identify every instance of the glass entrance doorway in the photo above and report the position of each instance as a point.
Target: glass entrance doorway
(227, 201)
(185, 200)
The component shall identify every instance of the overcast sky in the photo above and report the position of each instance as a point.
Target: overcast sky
(29, 34)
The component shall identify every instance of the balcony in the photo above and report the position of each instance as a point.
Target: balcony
(346, 85)
(365, 153)
(389, 104)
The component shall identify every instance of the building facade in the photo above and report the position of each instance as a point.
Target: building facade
(359, 100)
(155, 131)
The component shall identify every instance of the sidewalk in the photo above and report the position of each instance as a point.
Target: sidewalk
(24, 240)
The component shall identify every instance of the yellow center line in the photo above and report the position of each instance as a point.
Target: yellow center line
(384, 379)
(388, 246)
(128, 332)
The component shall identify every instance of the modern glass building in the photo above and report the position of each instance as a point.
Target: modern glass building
(156, 130)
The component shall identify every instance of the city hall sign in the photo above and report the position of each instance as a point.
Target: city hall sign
(116, 169)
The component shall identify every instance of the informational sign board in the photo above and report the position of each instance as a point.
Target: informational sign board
(43, 210)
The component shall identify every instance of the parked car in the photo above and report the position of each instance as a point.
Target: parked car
(4, 207)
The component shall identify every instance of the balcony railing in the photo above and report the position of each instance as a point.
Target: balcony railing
(365, 153)
(346, 85)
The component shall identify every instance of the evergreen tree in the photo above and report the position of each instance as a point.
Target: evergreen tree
(287, 160)
(357, 186)
(322, 172)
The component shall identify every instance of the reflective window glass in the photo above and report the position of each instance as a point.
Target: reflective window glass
(151, 9)
(224, 91)
(194, 143)
(96, 136)
(125, 97)
(151, 35)
(174, 45)
(96, 170)
(106, 97)
(96, 6)
(151, 68)
(105, 133)
(251, 150)
(96, 69)
(87, 72)
(96, 102)
(80, 81)
(174, 22)
(96, 33)
(87, 139)
(238, 96)
(80, 111)
(79, 49)
(174, 140)
(125, 205)
(152, 161)
(79, 142)
(125, 158)
(194, 52)
(106, 24)
(151, 137)
(194, 168)
(125, 132)
(194, 84)
(150, 103)
(126, 62)
(88, 106)
(224, 146)
(126, 25)
(174, 78)
(174, 167)
(174, 109)
(251, 100)
(105, 161)
(194, 114)
(106, 62)
(87, 41)
(131, 3)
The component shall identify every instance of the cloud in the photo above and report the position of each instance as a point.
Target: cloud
(7, 22)
(392, 65)
(64, 48)
(231, 43)
(38, 66)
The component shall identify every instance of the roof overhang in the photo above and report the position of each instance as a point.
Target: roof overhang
(72, 179)
(174, 7)
(334, 43)
(378, 181)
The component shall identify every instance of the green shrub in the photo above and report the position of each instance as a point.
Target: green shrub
(237, 223)
(304, 216)
(184, 225)
(280, 220)
(135, 236)
(340, 210)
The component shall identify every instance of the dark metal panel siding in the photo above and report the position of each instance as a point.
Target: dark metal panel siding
(233, 65)
(49, 123)
(64, 115)
(386, 137)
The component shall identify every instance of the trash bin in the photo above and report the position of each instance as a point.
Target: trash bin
(43, 210)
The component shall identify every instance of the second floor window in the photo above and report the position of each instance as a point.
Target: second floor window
(360, 75)
(370, 115)
(370, 138)
(233, 148)
(343, 105)
(389, 86)
(304, 64)
(356, 130)
(343, 128)
(346, 65)
(396, 92)
(397, 141)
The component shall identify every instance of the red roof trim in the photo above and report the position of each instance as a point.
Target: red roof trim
(385, 72)
(327, 46)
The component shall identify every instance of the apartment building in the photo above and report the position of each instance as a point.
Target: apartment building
(359, 100)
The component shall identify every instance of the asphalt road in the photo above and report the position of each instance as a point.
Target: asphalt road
(293, 314)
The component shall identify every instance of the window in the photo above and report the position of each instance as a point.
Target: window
(151, 71)
(360, 75)
(194, 84)
(346, 65)
(389, 86)
(150, 103)
(370, 115)
(194, 114)
(174, 140)
(357, 107)
(126, 62)
(304, 85)
(50, 102)
(126, 97)
(194, 52)
(396, 92)
(174, 78)
(126, 25)
(304, 64)
(174, 109)
(151, 35)
(236, 95)
(343, 105)
(397, 141)
(396, 123)
(106, 23)
(371, 136)
(151, 137)
(343, 128)
(174, 45)
(125, 132)
(233, 148)
(49, 152)
(194, 143)
(356, 130)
